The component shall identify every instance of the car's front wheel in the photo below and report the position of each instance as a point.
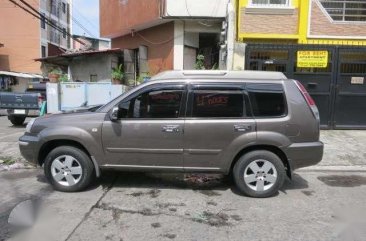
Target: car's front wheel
(259, 174)
(68, 169)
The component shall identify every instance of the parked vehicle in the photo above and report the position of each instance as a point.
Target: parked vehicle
(257, 126)
(18, 106)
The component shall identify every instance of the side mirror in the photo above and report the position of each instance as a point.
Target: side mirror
(114, 114)
(120, 111)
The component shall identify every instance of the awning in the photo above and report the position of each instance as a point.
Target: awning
(21, 75)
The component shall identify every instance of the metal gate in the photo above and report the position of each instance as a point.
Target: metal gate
(338, 89)
(350, 97)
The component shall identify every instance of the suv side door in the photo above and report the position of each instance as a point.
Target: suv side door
(218, 125)
(149, 134)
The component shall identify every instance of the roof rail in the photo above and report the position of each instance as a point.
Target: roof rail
(206, 72)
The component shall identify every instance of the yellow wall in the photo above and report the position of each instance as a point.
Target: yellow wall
(301, 37)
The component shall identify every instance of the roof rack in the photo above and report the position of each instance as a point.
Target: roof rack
(205, 74)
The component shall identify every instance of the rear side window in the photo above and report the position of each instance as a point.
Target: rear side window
(216, 104)
(268, 103)
(267, 100)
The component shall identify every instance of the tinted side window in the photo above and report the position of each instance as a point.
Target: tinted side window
(268, 104)
(156, 104)
(207, 103)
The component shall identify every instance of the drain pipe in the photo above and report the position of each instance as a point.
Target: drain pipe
(230, 36)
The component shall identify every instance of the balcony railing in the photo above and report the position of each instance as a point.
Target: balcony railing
(345, 10)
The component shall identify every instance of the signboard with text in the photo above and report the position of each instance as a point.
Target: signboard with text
(312, 59)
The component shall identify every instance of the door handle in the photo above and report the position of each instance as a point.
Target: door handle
(242, 128)
(170, 128)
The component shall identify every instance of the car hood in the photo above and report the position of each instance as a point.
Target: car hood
(81, 118)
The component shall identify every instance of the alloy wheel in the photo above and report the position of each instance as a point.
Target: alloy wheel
(260, 175)
(66, 170)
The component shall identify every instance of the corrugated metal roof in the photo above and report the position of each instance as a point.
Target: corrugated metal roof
(21, 75)
(76, 54)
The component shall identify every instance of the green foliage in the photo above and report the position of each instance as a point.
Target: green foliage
(215, 67)
(141, 77)
(56, 70)
(200, 62)
(64, 78)
(117, 73)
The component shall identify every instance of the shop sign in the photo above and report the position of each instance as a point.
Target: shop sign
(312, 59)
(357, 80)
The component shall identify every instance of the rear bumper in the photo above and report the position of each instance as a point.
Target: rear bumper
(29, 112)
(304, 154)
(29, 146)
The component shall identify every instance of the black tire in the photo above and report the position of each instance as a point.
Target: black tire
(241, 166)
(17, 120)
(81, 157)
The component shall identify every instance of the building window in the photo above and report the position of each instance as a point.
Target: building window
(54, 7)
(43, 50)
(64, 7)
(93, 78)
(54, 34)
(43, 21)
(344, 10)
(270, 3)
(64, 32)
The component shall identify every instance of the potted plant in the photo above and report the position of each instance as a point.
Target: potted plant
(143, 78)
(63, 78)
(117, 75)
(200, 65)
(54, 75)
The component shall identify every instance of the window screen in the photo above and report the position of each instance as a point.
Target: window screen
(157, 104)
(217, 104)
(267, 104)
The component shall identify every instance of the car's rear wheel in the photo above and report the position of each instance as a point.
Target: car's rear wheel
(68, 169)
(259, 174)
(17, 120)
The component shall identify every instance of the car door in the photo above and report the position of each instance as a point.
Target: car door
(218, 125)
(149, 134)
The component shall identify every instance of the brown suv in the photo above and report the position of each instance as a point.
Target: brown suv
(258, 126)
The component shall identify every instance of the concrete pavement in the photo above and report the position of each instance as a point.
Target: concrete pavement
(325, 202)
(9, 149)
(134, 206)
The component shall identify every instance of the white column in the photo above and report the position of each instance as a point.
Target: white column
(230, 36)
(178, 45)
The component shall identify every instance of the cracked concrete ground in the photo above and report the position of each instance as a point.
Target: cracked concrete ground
(322, 205)
(136, 206)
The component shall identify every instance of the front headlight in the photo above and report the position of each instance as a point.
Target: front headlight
(29, 125)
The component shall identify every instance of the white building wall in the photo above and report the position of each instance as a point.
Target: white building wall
(178, 45)
(196, 8)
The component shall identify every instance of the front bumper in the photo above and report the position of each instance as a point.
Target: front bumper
(304, 154)
(29, 146)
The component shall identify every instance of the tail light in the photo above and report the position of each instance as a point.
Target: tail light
(40, 100)
(309, 100)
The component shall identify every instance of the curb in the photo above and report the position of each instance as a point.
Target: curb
(357, 168)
